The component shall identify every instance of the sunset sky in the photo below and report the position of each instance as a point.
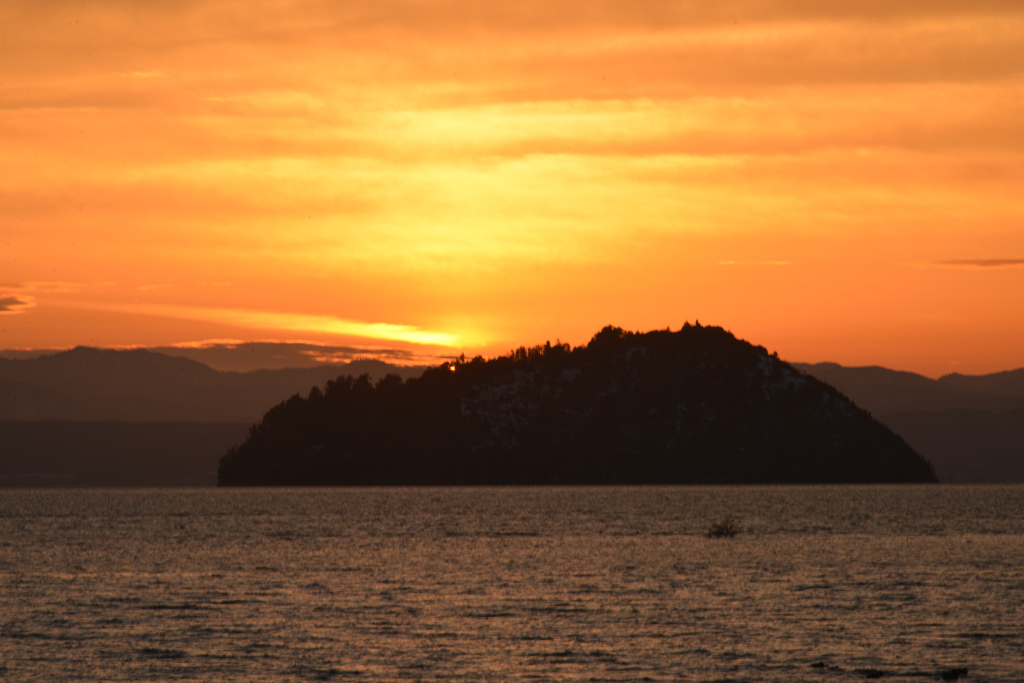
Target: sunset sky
(836, 181)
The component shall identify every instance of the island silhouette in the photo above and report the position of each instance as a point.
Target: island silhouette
(691, 406)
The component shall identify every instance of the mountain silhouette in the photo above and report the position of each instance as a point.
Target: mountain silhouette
(103, 417)
(140, 385)
(96, 453)
(883, 391)
(970, 427)
(692, 406)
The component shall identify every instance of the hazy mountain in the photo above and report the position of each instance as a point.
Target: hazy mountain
(693, 406)
(883, 391)
(90, 417)
(971, 428)
(141, 385)
(44, 453)
(1007, 384)
(242, 356)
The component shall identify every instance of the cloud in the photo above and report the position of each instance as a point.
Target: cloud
(293, 322)
(985, 263)
(13, 305)
(239, 355)
(51, 287)
(349, 354)
(755, 263)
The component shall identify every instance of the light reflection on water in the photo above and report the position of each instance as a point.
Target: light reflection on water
(478, 584)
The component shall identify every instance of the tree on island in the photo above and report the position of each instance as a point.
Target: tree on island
(692, 406)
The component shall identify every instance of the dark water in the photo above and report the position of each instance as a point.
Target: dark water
(565, 584)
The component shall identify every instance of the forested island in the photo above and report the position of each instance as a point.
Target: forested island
(692, 406)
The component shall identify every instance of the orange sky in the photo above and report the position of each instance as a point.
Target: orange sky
(835, 181)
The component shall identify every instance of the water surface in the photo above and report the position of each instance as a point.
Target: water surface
(824, 583)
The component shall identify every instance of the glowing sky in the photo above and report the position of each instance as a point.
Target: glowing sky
(834, 180)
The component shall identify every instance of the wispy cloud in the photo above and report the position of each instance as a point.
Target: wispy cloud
(145, 74)
(50, 287)
(975, 264)
(755, 263)
(13, 305)
(318, 351)
(396, 356)
(292, 322)
(240, 355)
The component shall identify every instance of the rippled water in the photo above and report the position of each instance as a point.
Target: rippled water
(553, 584)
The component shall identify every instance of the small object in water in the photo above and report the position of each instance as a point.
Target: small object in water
(871, 673)
(818, 665)
(953, 674)
(724, 528)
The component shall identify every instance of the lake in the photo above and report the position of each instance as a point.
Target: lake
(823, 583)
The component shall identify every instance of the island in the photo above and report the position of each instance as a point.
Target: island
(692, 406)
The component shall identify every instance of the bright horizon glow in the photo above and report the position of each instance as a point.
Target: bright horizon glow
(268, 320)
(836, 183)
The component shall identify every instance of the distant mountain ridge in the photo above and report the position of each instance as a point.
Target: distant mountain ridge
(970, 427)
(141, 385)
(1009, 383)
(882, 391)
(98, 453)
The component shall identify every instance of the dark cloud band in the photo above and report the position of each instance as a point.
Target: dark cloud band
(983, 263)
(10, 304)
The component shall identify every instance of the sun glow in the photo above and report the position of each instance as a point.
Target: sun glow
(440, 174)
(294, 322)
